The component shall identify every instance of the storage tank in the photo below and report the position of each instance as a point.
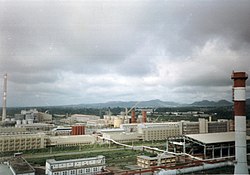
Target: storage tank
(113, 118)
(78, 130)
(13, 120)
(117, 122)
(30, 121)
(24, 122)
(18, 122)
(139, 119)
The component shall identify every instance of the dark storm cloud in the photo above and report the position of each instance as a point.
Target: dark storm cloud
(183, 25)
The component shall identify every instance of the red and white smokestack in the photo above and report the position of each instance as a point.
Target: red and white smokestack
(144, 117)
(4, 97)
(239, 98)
(133, 119)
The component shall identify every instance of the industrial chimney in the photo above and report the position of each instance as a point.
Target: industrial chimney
(144, 117)
(4, 97)
(133, 119)
(239, 98)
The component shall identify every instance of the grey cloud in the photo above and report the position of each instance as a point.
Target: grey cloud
(183, 25)
(64, 36)
(41, 40)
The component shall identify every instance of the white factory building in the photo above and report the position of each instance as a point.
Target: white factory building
(73, 140)
(82, 166)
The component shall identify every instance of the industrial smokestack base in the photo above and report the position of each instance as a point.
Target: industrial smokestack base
(133, 119)
(239, 98)
(144, 116)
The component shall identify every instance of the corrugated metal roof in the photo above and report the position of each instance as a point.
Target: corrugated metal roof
(210, 138)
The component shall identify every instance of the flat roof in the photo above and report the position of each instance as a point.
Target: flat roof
(20, 165)
(156, 158)
(53, 161)
(210, 138)
(113, 130)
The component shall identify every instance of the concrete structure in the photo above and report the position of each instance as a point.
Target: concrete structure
(12, 130)
(35, 127)
(159, 131)
(218, 126)
(84, 118)
(205, 146)
(61, 130)
(86, 166)
(203, 126)
(239, 98)
(32, 115)
(190, 127)
(161, 160)
(118, 121)
(71, 140)
(132, 127)
(4, 115)
(43, 117)
(19, 166)
(18, 142)
(109, 120)
(120, 135)
(93, 126)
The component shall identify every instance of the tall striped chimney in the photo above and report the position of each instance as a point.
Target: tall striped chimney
(239, 98)
(4, 97)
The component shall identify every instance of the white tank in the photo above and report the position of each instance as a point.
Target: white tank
(12, 119)
(113, 117)
(24, 122)
(139, 116)
(7, 119)
(117, 122)
(30, 121)
(18, 122)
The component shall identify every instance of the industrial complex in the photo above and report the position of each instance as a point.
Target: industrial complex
(186, 146)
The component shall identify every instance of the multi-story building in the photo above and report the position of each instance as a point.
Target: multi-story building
(159, 131)
(12, 130)
(71, 140)
(86, 166)
(218, 126)
(20, 142)
(43, 117)
(120, 135)
(35, 127)
(131, 127)
(190, 127)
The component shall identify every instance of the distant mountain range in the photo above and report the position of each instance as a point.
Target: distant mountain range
(124, 104)
(207, 103)
(156, 104)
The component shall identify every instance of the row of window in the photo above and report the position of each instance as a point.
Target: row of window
(77, 164)
(79, 171)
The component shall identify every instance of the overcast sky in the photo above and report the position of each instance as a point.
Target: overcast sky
(60, 52)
